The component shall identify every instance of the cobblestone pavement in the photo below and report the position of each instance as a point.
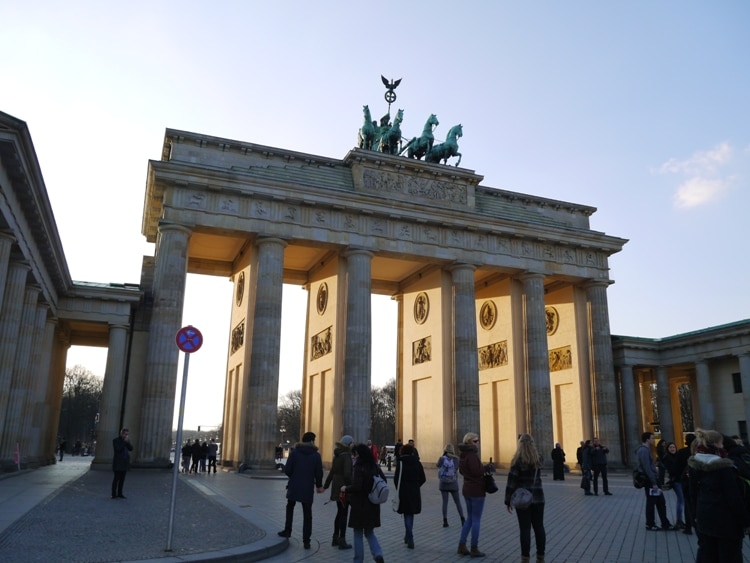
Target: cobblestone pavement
(64, 513)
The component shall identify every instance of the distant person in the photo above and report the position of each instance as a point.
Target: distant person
(448, 482)
(654, 494)
(120, 461)
(304, 468)
(61, 448)
(213, 449)
(470, 466)
(195, 455)
(339, 476)
(364, 516)
(374, 450)
(558, 463)
(599, 466)
(409, 478)
(525, 471)
(586, 475)
(186, 453)
(416, 452)
(579, 454)
(397, 449)
(204, 456)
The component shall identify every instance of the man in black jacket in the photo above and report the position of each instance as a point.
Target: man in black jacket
(120, 461)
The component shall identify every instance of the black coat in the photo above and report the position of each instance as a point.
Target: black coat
(408, 478)
(121, 458)
(341, 470)
(304, 467)
(363, 514)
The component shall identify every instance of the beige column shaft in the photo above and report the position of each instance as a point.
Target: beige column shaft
(10, 320)
(664, 403)
(630, 414)
(606, 411)
(263, 376)
(6, 243)
(61, 344)
(745, 379)
(157, 410)
(40, 362)
(110, 405)
(537, 364)
(705, 398)
(358, 344)
(15, 425)
(466, 364)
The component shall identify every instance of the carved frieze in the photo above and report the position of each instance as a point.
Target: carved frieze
(552, 320)
(321, 343)
(414, 186)
(421, 350)
(560, 358)
(493, 355)
(238, 337)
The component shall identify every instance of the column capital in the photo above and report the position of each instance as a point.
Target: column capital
(271, 240)
(526, 276)
(167, 226)
(357, 251)
(597, 283)
(461, 266)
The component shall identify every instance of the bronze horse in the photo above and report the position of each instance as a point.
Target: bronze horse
(390, 141)
(367, 132)
(449, 148)
(420, 146)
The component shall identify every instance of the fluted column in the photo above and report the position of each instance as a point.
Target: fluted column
(745, 378)
(10, 320)
(6, 243)
(263, 375)
(358, 344)
(40, 363)
(705, 400)
(629, 412)
(110, 405)
(664, 404)
(538, 385)
(465, 362)
(15, 426)
(606, 411)
(159, 386)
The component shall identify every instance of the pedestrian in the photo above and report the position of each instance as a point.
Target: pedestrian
(586, 476)
(204, 456)
(408, 479)
(397, 449)
(416, 452)
(683, 454)
(61, 448)
(364, 516)
(304, 468)
(474, 492)
(674, 473)
(525, 471)
(186, 453)
(661, 449)
(579, 454)
(120, 461)
(599, 466)
(448, 482)
(213, 449)
(374, 450)
(720, 515)
(195, 455)
(654, 494)
(558, 463)
(340, 475)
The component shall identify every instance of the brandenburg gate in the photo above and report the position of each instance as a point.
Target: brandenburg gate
(503, 321)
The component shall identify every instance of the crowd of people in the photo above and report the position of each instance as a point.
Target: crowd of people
(199, 457)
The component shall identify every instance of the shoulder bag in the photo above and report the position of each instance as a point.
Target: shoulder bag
(522, 497)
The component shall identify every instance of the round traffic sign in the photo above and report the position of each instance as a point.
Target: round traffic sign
(189, 339)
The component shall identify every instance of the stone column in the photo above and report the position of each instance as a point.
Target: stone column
(6, 243)
(606, 411)
(465, 362)
(537, 364)
(10, 321)
(263, 375)
(110, 406)
(630, 414)
(745, 379)
(15, 426)
(358, 344)
(664, 403)
(704, 398)
(151, 448)
(37, 408)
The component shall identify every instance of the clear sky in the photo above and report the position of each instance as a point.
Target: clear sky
(639, 109)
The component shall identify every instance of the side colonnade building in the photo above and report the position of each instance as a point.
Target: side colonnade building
(502, 324)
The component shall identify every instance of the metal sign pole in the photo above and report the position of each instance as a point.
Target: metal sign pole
(177, 451)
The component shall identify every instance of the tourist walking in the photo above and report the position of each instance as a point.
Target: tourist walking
(586, 468)
(408, 479)
(195, 455)
(364, 516)
(558, 463)
(339, 476)
(599, 466)
(715, 494)
(675, 469)
(474, 492)
(120, 461)
(213, 449)
(304, 468)
(448, 482)
(525, 472)
(186, 453)
(654, 494)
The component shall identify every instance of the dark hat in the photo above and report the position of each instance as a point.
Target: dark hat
(308, 437)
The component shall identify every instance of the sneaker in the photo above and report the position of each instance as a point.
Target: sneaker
(608, 494)
(653, 528)
(379, 559)
(284, 534)
(306, 544)
(669, 528)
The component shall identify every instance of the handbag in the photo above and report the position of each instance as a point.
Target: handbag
(395, 499)
(640, 479)
(521, 498)
(490, 486)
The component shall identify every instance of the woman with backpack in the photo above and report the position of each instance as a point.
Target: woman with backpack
(408, 479)
(364, 516)
(448, 482)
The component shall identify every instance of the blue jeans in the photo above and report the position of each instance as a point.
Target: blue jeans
(409, 527)
(677, 488)
(474, 509)
(456, 500)
(359, 546)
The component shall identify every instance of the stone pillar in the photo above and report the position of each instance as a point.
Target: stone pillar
(358, 344)
(15, 426)
(606, 412)
(745, 379)
(465, 362)
(664, 404)
(6, 243)
(40, 364)
(538, 386)
(151, 448)
(110, 406)
(10, 320)
(263, 375)
(704, 398)
(630, 414)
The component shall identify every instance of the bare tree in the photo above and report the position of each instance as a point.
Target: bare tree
(288, 417)
(383, 414)
(82, 391)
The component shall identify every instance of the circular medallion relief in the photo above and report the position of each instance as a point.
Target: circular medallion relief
(239, 291)
(552, 319)
(421, 308)
(488, 315)
(322, 298)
